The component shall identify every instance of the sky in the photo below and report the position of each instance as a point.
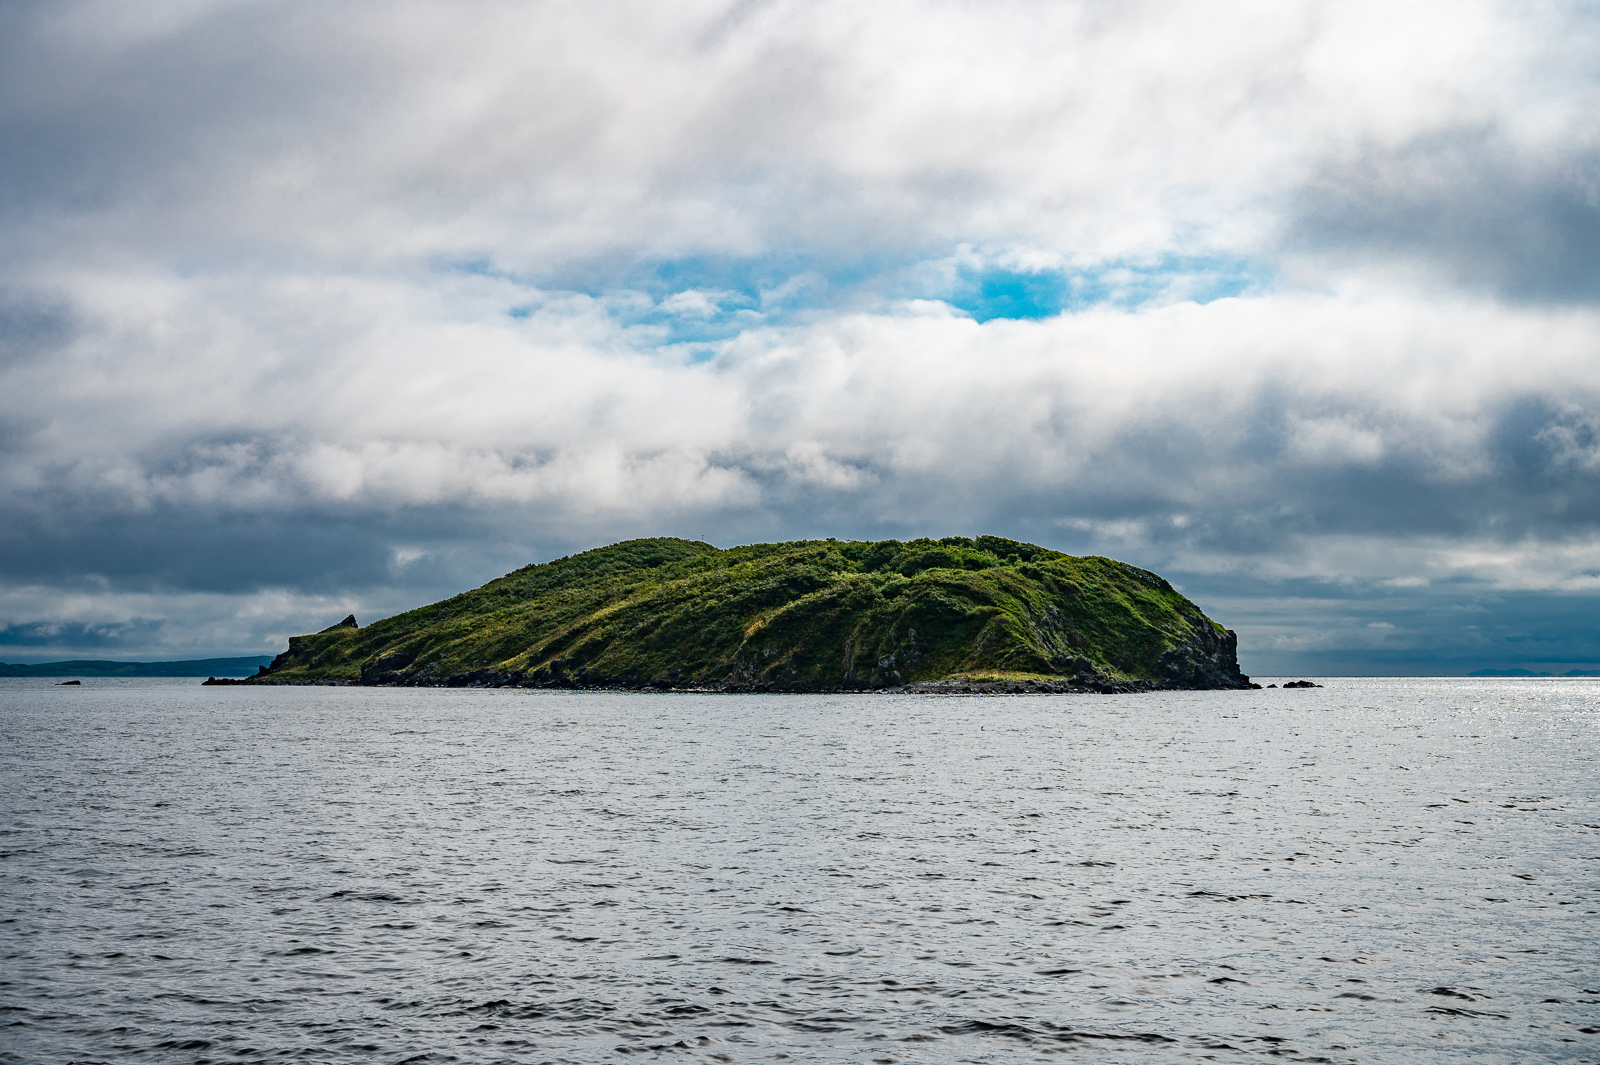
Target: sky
(312, 308)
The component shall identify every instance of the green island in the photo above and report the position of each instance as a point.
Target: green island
(950, 615)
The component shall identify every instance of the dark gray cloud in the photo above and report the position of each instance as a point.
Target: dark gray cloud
(32, 324)
(1300, 628)
(104, 637)
(1470, 206)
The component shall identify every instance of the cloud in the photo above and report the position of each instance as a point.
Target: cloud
(1225, 414)
(582, 146)
(1469, 207)
(303, 310)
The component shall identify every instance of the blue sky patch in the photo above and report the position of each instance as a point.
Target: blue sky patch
(1008, 294)
(703, 299)
(998, 292)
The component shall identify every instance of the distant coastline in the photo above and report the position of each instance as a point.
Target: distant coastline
(1531, 673)
(198, 667)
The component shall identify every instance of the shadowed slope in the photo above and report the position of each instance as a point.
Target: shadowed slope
(805, 615)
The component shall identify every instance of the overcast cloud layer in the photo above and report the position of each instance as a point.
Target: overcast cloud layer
(311, 308)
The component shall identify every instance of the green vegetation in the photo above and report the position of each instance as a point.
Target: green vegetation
(805, 615)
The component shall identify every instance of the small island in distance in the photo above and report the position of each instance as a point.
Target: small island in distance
(957, 614)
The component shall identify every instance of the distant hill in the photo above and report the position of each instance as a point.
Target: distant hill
(801, 616)
(200, 667)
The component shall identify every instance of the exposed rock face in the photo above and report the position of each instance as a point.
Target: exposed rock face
(1211, 661)
(386, 668)
(348, 623)
(986, 615)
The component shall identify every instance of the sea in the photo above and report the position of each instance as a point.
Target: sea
(1377, 870)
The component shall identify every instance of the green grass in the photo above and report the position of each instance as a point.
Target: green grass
(801, 615)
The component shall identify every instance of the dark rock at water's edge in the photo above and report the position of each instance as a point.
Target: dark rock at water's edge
(957, 615)
(64, 683)
(221, 681)
(1301, 684)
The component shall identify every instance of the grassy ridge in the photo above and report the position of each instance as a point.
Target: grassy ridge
(800, 615)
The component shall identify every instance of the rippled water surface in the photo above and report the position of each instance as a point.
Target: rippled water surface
(1394, 870)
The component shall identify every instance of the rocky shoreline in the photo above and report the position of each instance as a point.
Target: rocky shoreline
(954, 686)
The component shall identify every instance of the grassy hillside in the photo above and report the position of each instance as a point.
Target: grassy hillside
(813, 614)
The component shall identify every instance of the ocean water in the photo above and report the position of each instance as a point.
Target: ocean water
(1373, 871)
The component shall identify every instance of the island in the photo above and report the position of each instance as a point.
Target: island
(959, 614)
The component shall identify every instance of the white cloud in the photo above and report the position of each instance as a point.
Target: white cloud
(396, 402)
(1076, 130)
